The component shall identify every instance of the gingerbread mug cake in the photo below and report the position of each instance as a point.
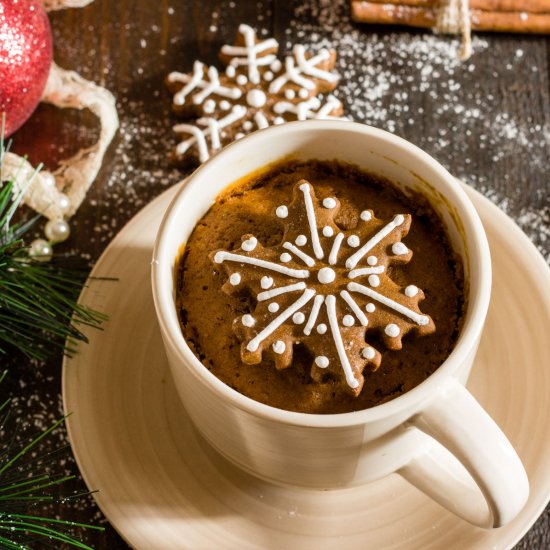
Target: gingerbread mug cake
(321, 289)
(307, 269)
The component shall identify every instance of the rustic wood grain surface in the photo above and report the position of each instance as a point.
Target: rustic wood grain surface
(487, 120)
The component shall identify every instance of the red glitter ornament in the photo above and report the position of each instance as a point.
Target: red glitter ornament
(25, 59)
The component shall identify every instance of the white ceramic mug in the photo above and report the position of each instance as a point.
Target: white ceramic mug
(436, 436)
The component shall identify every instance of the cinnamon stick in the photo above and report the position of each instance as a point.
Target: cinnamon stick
(528, 6)
(425, 17)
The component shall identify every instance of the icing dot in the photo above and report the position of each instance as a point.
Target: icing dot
(256, 98)
(301, 240)
(299, 318)
(230, 71)
(372, 260)
(368, 353)
(248, 320)
(322, 362)
(268, 76)
(370, 307)
(348, 321)
(399, 249)
(282, 211)
(399, 219)
(411, 291)
(322, 328)
(235, 279)
(366, 216)
(247, 125)
(266, 282)
(249, 244)
(276, 65)
(423, 320)
(329, 202)
(209, 106)
(241, 80)
(239, 135)
(328, 231)
(374, 280)
(285, 257)
(303, 93)
(225, 105)
(290, 94)
(279, 347)
(273, 307)
(278, 120)
(392, 330)
(326, 275)
(353, 240)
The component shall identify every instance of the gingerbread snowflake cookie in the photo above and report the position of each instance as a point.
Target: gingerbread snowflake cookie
(256, 90)
(324, 287)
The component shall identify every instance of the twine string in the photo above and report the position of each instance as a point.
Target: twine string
(453, 17)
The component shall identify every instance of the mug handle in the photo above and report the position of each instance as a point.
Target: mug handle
(492, 487)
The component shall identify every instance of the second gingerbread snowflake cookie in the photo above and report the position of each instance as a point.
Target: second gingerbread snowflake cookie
(255, 90)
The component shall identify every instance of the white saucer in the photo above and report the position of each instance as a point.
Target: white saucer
(162, 488)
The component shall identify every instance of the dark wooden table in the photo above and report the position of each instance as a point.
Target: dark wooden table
(487, 120)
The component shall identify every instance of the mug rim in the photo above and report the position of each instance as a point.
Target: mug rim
(478, 301)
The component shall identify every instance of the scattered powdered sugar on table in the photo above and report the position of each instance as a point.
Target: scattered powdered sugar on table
(466, 115)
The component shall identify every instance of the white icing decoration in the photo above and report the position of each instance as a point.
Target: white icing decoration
(366, 216)
(268, 294)
(278, 120)
(328, 231)
(256, 98)
(247, 125)
(254, 344)
(199, 135)
(411, 291)
(353, 260)
(370, 307)
(330, 303)
(248, 55)
(374, 280)
(209, 106)
(301, 240)
(241, 80)
(223, 256)
(308, 260)
(368, 353)
(317, 303)
(366, 271)
(260, 120)
(421, 320)
(303, 94)
(329, 203)
(249, 244)
(299, 65)
(312, 108)
(354, 307)
(230, 71)
(279, 347)
(290, 94)
(298, 318)
(235, 279)
(276, 66)
(273, 307)
(225, 105)
(282, 211)
(392, 330)
(266, 282)
(239, 135)
(333, 256)
(399, 249)
(268, 76)
(322, 362)
(285, 257)
(372, 260)
(348, 321)
(322, 328)
(317, 248)
(248, 321)
(326, 275)
(353, 241)
(197, 81)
